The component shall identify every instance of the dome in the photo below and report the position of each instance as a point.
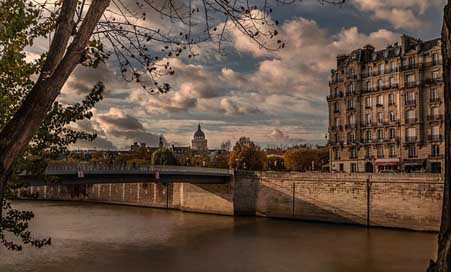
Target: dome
(199, 133)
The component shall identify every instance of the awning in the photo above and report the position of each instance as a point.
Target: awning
(414, 162)
(392, 161)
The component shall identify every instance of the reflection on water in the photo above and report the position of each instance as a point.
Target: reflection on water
(95, 237)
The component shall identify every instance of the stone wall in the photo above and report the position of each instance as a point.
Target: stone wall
(411, 201)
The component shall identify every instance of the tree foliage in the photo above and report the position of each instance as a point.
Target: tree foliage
(246, 155)
(302, 159)
(163, 156)
(21, 24)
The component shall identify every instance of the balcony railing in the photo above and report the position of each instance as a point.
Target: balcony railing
(434, 99)
(410, 84)
(336, 95)
(407, 67)
(411, 139)
(431, 63)
(436, 117)
(435, 138)
(411, 120)
(431, 81)
(391, 70)
(411, 102)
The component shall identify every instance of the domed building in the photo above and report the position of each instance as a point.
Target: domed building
(199, 143)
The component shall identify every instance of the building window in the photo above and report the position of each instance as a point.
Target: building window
(381, 68)
(351, 119)
(392, 116)
(368, 152)
(412, 151)
(350, 104)
(392, 151)
(336, 107)
(410, 80)
(380, 151)
(342, 167)
(410, 116)
(337, 92)
(379, 84)
(391, 81)
(337, 122)
(434, 112)
(368, 102)
(435, 75)
(380, 100)
(353, 167)
(392, 133)
(350, 88)
(368, 118)
(351, 137)
(380, 117)
(353, 153)
(393, 66)
(411, 62)
(380, 135)
(368, 86)
(434, 59)
(411, 135)
(391, 99)
(410, 98)
(368, 135)
(434, 95)
(370, 70)
(337, 154)
(435, 150)
(435, 133)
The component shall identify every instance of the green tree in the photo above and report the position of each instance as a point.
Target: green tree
(302, 159)
(20, 25)
(246, 155)
(163, 156)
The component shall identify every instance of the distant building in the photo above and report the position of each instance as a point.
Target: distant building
(386, 109)
(199, 142)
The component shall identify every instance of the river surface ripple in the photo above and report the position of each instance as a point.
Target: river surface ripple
(97, 237)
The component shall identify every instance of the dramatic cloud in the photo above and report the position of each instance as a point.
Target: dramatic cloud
(401, 14)
(279, 137)
(271, 96)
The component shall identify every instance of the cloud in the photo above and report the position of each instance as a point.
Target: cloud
(115, 130)
(279, 137)
(401, 14)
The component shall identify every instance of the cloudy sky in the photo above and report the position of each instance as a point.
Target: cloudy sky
(274, 97)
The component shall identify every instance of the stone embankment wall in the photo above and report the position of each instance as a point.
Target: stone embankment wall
(411, 201)
(387, 200)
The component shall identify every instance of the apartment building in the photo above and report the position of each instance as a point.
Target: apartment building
(386, 109)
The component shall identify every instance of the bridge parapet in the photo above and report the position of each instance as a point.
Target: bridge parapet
(70, 169)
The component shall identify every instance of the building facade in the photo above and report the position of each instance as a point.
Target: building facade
(386, 109)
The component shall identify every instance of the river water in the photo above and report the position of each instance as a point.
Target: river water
(97, 237)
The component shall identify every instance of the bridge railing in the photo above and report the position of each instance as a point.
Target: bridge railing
(58, 169)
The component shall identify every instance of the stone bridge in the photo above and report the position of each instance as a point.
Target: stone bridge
(95, 174)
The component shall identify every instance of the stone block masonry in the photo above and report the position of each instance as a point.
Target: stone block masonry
(410, 201)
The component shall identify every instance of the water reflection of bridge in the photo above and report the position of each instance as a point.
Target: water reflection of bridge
(95, 174)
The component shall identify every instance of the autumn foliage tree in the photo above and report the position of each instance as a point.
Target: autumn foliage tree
(246, 155)
(302, 159)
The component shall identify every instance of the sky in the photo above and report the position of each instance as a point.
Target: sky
(273, 97)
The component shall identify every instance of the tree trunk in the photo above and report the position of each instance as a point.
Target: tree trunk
(60, 63)
(443, 263)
